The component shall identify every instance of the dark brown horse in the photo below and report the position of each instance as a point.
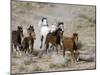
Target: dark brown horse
(70, 43)
(28, 42)
(54, 38)
(17, 38)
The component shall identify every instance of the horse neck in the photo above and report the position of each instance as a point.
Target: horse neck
(54, 33)
(32, 35)
(19, 38)
(18, 34)
(44, 24)
(75, 39)
(58, 31)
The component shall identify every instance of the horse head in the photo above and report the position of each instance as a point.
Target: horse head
(44, 21)
(20, 30)
(61, 25)
(75, 37)
(31, 32)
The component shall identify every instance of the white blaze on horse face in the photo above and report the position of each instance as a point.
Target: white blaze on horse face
(44, 22)
(62, 27)
(34, 35)
(25, 33)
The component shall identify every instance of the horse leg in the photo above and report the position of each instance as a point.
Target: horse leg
(32, 47)
(72, 57)
(53, 48)
(47, 46)
(28, 50)
(57, 48)
(61, 44)
(12, 48)
(76, 55)
(25, 51)
(15, 46)
(41, 42)
(64, 52)
(16, 50)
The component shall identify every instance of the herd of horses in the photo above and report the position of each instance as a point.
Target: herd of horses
(22, 43)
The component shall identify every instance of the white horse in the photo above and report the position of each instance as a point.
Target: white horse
(43, 24)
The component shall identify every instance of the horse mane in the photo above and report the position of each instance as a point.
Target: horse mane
(59, 23)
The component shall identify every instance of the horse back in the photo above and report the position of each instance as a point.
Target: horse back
(50, 38)
(68, 42)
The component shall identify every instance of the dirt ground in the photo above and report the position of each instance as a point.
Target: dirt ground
(76, 18)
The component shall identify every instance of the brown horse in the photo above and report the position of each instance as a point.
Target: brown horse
(17, 38)
(71, 44)
(28, 42)
(54, 39)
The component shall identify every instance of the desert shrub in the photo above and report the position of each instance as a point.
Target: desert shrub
(21, 68)
(35, 53)
(36, 68)
(52, 65)
(28, 61)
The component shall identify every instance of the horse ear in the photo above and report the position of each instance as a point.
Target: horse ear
(18, 27)
(42, 19)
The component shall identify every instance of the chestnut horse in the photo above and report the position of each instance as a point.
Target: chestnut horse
(70, 43)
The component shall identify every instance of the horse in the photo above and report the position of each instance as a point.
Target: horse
(17, 38)
(60, 25)
(53, 39)
(28, 41)
(70, 43)
(43, 24)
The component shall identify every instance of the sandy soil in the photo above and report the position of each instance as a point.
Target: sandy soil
(76, 18)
